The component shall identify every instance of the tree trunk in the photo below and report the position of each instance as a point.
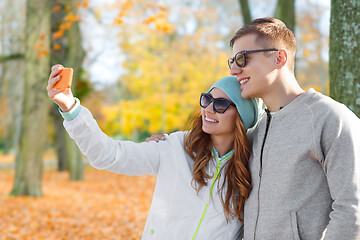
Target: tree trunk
(11, 71)
(285, 11)
(28, 166)
(75, 57)
(15, 77)
(58, 56)
(245, 11)
(75, 164)
(344, 46)
(60, 138)
(71, 55)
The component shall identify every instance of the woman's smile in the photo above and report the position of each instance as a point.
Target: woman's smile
(210, 120)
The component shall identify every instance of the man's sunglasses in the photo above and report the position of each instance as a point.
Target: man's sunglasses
(220, 105)
(240, 57)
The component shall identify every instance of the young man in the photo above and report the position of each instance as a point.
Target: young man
(305, 167)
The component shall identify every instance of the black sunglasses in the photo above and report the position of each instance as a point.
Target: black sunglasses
(240, 58)
(220, 105)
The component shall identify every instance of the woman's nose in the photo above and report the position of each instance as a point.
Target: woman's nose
(210, 108)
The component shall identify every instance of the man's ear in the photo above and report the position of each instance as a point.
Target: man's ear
(281, 58)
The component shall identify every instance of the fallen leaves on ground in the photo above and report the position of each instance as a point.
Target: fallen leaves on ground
(103, 206)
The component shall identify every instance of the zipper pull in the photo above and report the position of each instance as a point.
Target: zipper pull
(260, 172)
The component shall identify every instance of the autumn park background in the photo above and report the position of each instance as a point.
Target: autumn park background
(139, 66)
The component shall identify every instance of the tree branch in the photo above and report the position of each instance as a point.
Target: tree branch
(11, 57)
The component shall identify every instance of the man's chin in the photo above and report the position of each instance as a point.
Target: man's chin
(244, 94)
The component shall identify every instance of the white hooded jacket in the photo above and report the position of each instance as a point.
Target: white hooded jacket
(176, 209)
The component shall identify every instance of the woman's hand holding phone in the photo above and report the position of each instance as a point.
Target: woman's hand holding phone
(58, 87)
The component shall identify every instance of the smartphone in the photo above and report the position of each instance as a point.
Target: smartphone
(65, 80)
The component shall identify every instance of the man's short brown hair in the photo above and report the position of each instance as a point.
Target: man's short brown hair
(270, 33)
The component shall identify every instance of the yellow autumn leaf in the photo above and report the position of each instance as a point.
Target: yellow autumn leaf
(56, 8)
(39, 44)
(65, 26)
(118, 21)
(58, 34)
(57, 47)
(70, 17)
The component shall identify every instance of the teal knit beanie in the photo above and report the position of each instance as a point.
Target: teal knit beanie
(247, 108)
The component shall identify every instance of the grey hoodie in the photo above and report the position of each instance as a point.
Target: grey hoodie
(305, 173)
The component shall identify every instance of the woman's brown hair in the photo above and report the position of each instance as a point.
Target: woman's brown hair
(237, 179)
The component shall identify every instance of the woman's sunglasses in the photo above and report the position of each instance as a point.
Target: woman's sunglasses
(240, 58)
(220, 105)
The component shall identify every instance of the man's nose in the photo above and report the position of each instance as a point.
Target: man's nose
(235, 69)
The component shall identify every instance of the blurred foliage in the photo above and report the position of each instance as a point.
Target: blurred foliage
(170, 53)
(165, 75)
(165, 72)
(82, 85)
(167, 66)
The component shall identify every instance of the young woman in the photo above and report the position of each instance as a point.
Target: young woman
(202, 176)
